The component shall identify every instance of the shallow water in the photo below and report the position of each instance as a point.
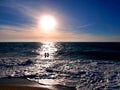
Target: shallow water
(85, 66)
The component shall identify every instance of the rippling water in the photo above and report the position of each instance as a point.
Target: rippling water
(86, 66)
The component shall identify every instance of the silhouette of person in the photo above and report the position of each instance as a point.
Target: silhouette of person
(47, 54)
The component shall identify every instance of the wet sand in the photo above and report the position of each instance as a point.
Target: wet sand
(17, 87)
(24, 84)
(21, 84)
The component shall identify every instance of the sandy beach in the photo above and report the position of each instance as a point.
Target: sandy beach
(17, 87)
(25, 84)
(21, 84)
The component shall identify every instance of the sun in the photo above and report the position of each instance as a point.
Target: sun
(48, 23)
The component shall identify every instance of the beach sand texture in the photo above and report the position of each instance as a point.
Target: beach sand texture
(25, 84)
(17, 87)
(20, 84)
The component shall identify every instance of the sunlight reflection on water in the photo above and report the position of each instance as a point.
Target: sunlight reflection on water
(47, 48)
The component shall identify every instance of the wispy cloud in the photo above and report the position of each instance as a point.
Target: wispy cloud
(84, 25)
(12, 34)
(31, 32)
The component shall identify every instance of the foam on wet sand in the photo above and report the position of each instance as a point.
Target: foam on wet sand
(24, 84)
(21, 84)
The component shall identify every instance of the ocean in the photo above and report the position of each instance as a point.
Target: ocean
(83, 65)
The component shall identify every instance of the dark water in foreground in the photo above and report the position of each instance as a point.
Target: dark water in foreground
(85, 66)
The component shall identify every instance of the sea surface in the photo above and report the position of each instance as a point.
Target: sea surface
(83, 65)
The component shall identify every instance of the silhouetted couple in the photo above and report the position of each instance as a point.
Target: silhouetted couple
(46, 55)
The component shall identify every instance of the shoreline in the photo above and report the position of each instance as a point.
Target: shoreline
(21, 84)
(25, 84)
(20, 87)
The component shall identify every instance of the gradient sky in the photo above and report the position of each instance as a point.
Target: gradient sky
(78, 20)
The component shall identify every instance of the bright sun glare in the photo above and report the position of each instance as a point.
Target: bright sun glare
(47, 23)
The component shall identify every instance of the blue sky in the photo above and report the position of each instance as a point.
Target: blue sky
(79, 20)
